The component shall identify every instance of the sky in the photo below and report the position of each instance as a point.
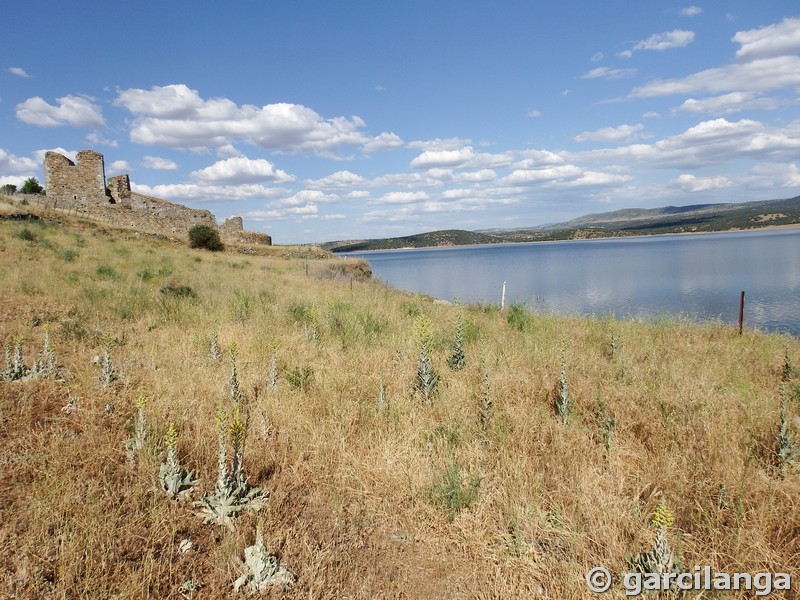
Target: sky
(321, 120)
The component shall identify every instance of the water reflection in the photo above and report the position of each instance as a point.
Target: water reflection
(695, 275)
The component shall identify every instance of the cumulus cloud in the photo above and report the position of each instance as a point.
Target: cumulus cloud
(401, 198)
(443, 158)
(708, 143)
(339, 179)
(78, 111)
(766, 61)
(16, 165)
(691, 183)
(620, 134)
(241, 170)
(199, 192)
(665, 41)
(774, 40)
(119, 166)
(691, 11)
(728, 103)
(158, 163)
(755, 76)
(18, 71)
(449, 156)
(178, 117)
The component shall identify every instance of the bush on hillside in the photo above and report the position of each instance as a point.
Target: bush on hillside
(205, 236)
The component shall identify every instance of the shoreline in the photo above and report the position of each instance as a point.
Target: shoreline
(588, 239)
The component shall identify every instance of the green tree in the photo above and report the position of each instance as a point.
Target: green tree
(205, 236)
(31, 186)
(8, 189)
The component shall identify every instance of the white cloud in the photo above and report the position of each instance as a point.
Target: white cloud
(282, 214)
(176, 116)
(526, 176)
(597, 57)
(608, 73)
(534, 114)
(665, 41)
(443, 158)
(401, 198)
(775, 40)
(119, 166)
(728, 103)
(766, 61)
(619, 135)
(198, 192)
(624, 54)
(15, 165)
(691, 11)
(754, 76)
(158, 163)
(449, 156)
(78, 111)
(95, 139)
(18, 71)
(690, 183)
(711, 142)
(440, 144)
(339, 179)
(241, 170)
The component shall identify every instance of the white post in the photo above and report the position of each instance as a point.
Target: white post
(503, 297)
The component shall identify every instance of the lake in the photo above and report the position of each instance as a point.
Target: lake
(698, 276)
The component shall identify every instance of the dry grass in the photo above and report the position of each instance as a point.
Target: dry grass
(357, 504)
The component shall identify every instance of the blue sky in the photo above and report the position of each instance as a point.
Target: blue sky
(325, 120)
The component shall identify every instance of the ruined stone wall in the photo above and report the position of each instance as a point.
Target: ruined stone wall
(80, 188)
(119, 188)
(78, 184)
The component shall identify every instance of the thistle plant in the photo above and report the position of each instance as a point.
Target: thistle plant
(272, 377)
(787, 448)
(233, 380)
(486, 395)
(788, 370)
(380, 401)
(427, 378)
(175, 480)
(108, 373)
(135, 445)
(14, 368)
(263, 569)
(214, 353)
(312, 324)
(661, 558)
(231, 493)
(45, 364)
(457, 360)
(563, 401)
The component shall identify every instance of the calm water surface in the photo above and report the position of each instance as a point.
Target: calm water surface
(699, 276)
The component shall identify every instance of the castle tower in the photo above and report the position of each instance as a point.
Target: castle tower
(75, 184)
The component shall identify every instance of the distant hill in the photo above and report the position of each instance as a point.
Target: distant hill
(618, 223)
(448, 237)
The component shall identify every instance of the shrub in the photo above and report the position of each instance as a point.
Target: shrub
(205, 236)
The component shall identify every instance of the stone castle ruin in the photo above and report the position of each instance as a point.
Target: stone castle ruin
(81, 187)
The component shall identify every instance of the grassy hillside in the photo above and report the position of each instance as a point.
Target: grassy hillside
(370, 487)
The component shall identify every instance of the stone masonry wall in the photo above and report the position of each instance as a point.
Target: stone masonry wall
(80, 187)
(73, 185)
